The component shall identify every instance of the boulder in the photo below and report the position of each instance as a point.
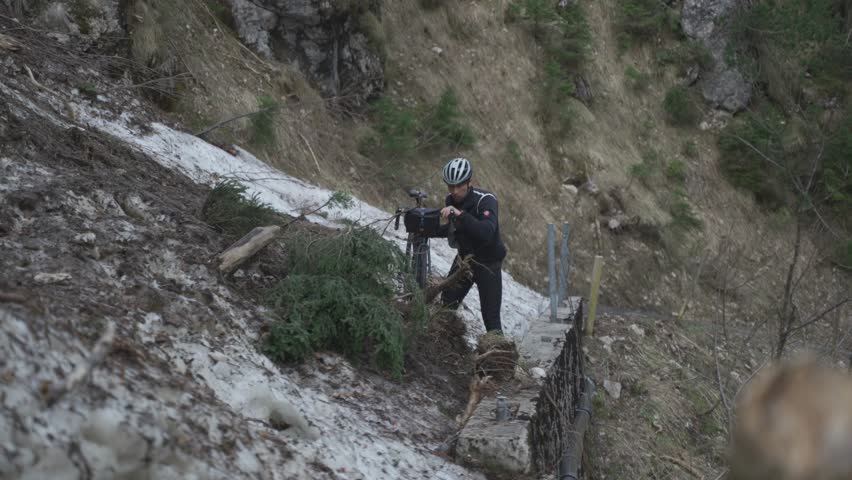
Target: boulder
(723, 86)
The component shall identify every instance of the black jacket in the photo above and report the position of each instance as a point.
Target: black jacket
(477, 231)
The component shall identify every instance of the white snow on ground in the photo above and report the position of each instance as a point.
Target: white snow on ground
(344, 438)
(206, 163)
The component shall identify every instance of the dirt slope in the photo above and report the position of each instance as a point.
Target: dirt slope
(96, 233)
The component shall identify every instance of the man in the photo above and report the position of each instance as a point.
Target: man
(474, 230)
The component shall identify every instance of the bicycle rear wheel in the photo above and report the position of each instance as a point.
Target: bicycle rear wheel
(420, 261)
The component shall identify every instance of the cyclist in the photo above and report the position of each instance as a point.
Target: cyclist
(473, 229)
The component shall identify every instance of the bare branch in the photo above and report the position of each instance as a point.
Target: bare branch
(433, 290)
(819, 316)
(178, 76)
(719, 381)
(221, 124)
(683, 466)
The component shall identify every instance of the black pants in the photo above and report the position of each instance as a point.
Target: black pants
(488, 277)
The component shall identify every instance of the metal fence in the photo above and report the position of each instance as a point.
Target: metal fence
(559, 271)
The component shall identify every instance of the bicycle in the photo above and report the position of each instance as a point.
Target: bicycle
(421, 224)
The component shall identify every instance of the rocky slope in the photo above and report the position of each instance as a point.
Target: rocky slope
(101, 234)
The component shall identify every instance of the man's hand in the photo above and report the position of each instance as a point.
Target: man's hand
(447, 211)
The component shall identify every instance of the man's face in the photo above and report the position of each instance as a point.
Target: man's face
(459, 191)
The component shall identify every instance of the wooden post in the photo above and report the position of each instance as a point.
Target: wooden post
(593, 296)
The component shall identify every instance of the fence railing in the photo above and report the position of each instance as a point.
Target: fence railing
(570, 419)
(559, 271)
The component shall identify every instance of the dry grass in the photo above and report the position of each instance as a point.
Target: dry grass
(228, 79)
(663, 425)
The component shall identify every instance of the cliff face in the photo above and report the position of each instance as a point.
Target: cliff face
(329, 41)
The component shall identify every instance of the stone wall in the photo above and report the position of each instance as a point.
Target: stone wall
(557, 402)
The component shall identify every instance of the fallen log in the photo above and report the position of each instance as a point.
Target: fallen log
(246, 247)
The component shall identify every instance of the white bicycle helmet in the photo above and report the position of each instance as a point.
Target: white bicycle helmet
(457, 171)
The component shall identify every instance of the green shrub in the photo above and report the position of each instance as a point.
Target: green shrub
(676, 170)
(564, 34)
(228, 210)
(696, 52)
(685, 55)
(811, 37)
(679, 108)
(222, 11)
(835, 179)
(338, 296)
(263, 122)
(844, 255)
(644, 171)
(431, 4)
(690, 149)
(572, 38)
(537, 12)
(642, 20)
(641, 171)
(514, 151)
(403, 130)
(516, 165)
(555, 99)
(683, 216)
(444, 125)
(397, 126)
(745, 144)
(82, 12)
(651, 157)
(370, 25)
(637, 80)
(89, 90)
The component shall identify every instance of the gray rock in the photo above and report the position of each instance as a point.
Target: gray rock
(57, 19)
(253, 25)
(571, 189)
(691, 75)
(699, 17)
(591, 187)
(636, 329)
(723, 86)
(607, 342)
(583, 90)
(328, 40)
(727, 88)
(613, 389)
(613, 224)
(87, 238)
